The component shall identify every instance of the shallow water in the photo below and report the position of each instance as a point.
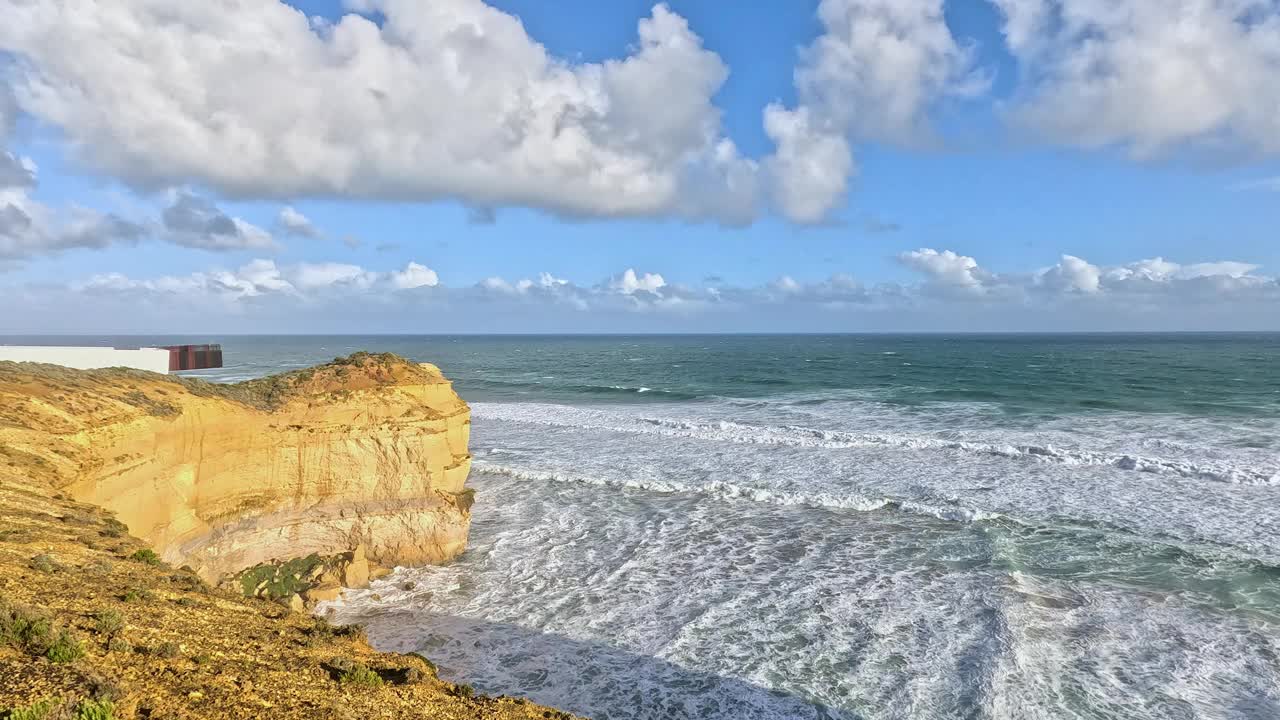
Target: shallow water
(853, 526)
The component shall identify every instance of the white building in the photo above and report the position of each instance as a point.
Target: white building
(89, 358)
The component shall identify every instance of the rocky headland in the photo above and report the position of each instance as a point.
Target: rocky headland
(157, 535)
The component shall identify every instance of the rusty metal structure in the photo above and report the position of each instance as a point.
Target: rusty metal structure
(194, 357)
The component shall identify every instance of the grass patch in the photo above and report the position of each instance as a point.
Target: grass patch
(65, 648)
(108, 622)
(359, 675)
(95, 710)
(275, 581)
(31, 632)
(146, 555)
(39, 710)
(24, 628)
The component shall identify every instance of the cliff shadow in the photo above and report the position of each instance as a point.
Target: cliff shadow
(591, 679)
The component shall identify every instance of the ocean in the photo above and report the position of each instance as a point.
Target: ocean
(854, 526)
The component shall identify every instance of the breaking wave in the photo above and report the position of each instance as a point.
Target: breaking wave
(806, 437)
(733, 491)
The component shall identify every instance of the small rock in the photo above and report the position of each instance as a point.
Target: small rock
(356, 573)
(324, 592)
(296, 603)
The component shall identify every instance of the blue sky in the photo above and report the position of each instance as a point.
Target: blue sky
(997, 159)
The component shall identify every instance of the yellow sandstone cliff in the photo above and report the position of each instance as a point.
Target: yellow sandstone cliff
(368, 453)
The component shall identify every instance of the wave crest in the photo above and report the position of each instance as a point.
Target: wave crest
(799, 436)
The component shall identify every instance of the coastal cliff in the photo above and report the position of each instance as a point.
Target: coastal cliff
(111, 479)
(367, 454)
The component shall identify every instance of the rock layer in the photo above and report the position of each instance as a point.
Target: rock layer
(366, 452)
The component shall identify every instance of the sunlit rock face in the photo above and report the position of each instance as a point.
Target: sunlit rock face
(366, 451)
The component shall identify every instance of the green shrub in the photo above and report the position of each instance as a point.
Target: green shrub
(40, 710)
(146, 555)
(168, 650)
(24, 628)
(65, 648)
(108, 622)
(118, 644)
(95, 710)
(360, 676)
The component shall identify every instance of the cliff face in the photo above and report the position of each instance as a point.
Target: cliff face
(367, 452)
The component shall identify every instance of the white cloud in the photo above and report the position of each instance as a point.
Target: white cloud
(629, 283)
(255, 278)
(1150, 75)
(955, 294)
(1073, 274)
(874, 73)
(450, 99)
(195, 222)
(811, 167)
(947, 269)
(415, 276)
(297, 224)
(880, 65)
(311, 276)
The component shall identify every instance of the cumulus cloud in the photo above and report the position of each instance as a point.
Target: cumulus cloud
(296, 224)
(629, 283)
(415, 276)
(196, 222)
(947, 269)
(874, 73)
(263, 278)
(441, 100)
(811, 166)
(1150, 75)
(1073, 274)
(955, 292)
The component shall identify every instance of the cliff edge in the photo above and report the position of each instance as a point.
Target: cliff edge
(367, 455)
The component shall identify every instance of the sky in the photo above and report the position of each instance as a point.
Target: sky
(689, 166)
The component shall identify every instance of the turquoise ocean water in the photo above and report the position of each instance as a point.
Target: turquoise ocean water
(1073, 526)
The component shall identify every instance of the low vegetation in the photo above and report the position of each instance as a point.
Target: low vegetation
(146, 555)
